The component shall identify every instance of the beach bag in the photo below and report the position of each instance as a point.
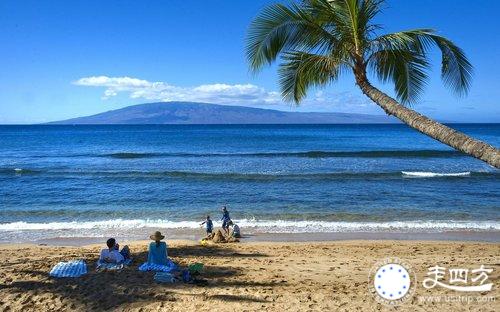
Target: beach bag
(186, 276)
(164, 277)
(195, 268)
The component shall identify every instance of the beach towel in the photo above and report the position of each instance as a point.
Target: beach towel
(169, 267)
(105, 266)
(75, 268)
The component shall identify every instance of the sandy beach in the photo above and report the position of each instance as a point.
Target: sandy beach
(273, 276)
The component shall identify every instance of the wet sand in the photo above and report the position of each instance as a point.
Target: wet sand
(187, 234)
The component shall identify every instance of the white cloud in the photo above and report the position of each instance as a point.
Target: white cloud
(220, 93)
(161, 91)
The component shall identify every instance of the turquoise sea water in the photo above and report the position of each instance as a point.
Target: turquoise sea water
(58, 181)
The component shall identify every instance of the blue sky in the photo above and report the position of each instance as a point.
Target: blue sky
(63, 59)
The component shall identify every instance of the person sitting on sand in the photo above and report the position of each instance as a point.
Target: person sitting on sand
(157, 250)
(225, 220)
(236, 230)
(209, 226)
(113, 254)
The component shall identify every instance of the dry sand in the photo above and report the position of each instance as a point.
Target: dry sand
(272, 276)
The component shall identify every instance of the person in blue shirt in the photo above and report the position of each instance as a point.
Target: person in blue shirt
(225, 220)
(209, 226)
(157, 250)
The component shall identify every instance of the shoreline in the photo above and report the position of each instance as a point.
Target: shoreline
(188, 236)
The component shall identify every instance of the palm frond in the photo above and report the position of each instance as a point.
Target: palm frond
(317, 39)
(301, 70)
(403, 40)
(280, 28)
(406, 69)
(367, 10)
(456, 70)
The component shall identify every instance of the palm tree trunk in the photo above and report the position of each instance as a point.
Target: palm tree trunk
(427, 126)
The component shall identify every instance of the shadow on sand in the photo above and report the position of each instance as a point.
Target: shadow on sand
(111, 290)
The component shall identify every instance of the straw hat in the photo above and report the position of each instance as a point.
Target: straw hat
(157, 236)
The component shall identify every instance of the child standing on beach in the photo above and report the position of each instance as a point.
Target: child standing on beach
(225, 220)
(209, 226)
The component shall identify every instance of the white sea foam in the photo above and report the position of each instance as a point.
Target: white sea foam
(108, 224)
(425, 174)
(267, 226)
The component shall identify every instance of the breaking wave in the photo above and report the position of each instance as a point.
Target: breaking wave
(425, 174)
(18, 171)
(267, 226)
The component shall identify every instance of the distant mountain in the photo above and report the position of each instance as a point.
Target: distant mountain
(202, 113)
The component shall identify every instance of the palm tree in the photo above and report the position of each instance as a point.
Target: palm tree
(318, 40)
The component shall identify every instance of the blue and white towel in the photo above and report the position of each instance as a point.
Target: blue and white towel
(105, 266)
(169, 267)
(75, 268)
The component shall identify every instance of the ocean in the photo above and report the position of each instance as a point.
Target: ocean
(127, 180)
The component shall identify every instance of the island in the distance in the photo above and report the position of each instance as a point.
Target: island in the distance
(203, 113)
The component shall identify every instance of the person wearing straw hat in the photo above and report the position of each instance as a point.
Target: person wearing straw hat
(157, 250)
